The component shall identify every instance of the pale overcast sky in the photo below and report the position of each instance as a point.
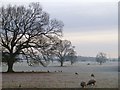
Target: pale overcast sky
(91, 25)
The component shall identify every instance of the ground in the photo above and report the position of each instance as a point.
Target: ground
(57, 80)
(106, 76)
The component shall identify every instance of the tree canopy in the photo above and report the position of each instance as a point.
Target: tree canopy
(63, 51)
(23, 29)
(101, 58)
(29, 33)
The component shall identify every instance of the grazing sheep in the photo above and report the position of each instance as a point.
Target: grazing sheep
(19, 85)
(83, 84)
(76, 73)
(92, 75)
(91, 82)
(88, 64)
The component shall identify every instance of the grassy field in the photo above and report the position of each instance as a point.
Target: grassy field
(106, 76)
(57, 80)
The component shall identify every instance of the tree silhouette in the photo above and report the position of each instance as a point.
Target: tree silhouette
(64, 51)
(101, 58)
(26, 33)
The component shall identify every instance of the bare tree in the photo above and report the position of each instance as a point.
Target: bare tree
(101, 58)
(72, 56)
(64, 51)
(22, 31)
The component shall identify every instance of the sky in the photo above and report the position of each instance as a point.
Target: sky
(91, 25)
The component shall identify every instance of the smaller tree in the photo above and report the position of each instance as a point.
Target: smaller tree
(101, 58)
(64, 51)
(72, 56)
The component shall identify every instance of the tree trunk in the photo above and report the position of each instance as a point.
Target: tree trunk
(10, 66)
(61, 63)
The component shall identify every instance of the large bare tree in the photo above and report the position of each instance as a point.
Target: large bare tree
(27, 32)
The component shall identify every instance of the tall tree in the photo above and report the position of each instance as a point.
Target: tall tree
(101, 58)
(64, 51)
(22, 31)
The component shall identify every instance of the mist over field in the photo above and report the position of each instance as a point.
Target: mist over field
(77, 67)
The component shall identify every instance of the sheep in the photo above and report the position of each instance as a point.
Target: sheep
(91, 82)
(92, 75)
(76, 73)
(19, 85)
(83, 84)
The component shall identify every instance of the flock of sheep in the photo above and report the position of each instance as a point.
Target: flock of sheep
(83, 84)
(91, 82)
